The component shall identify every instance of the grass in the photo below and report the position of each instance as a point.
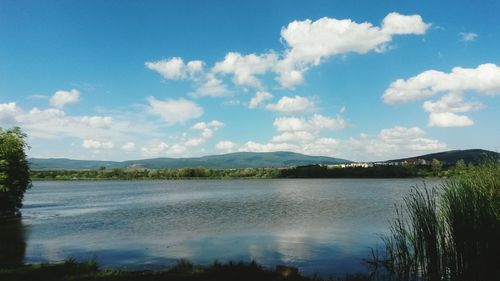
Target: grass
(448, 233)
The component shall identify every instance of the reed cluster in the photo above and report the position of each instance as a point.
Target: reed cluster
(450, 232)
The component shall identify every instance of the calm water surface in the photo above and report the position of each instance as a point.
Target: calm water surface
(323, 226)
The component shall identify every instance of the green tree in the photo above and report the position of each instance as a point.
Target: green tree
(437, 166)
(14, 171)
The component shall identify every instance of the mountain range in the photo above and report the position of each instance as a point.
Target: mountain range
(241, 160)
(223, 161)
(452, 156)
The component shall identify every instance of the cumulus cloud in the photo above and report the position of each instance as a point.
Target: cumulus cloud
(391, 143)
(267, 147)
(226, 146)
(484, 79)
(185, 143)
(8, 112)
(452, 102)
(55, 124)
(155, 149)
(129, 146)
(294, 136)
(244, 68)
(97, 145)
(292, 104)
(309, 42)
(468, 36)
(207, 132)
(315, 123)
(448, 119)
(301, 135)
(97, 121)
(174, 111)
(259, 98)
(395, 23)
(211, 86)
(175, 68)
(62, 98)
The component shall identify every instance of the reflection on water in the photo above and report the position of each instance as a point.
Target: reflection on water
(324, 226)
(12, 243)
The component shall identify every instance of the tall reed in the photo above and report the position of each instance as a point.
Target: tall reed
(451, 232)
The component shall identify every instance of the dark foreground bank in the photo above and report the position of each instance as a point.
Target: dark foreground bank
(182, 271)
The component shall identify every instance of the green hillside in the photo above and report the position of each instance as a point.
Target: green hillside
(452, 156)
(224, 161)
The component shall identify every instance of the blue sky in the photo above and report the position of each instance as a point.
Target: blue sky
(361, 80)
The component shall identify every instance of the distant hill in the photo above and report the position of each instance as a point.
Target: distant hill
(224, 161)
(452, 156)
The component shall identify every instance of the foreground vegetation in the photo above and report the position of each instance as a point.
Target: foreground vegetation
(450, 233)
(182, 271)
(14, 171)
(309, 171)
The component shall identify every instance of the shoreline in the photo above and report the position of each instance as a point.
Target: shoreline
(71, 269)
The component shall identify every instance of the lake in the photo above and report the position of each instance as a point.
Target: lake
(324, 226)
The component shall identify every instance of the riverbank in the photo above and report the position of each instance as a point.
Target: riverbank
(182, 271)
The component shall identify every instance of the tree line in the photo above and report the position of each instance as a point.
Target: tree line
(436, 169)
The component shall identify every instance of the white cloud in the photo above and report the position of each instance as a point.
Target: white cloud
(194, 142)
(97, 121)
(244, 68)
(452, 102)
(395, 23)
(390, 143)
(448, 119)
(259, 98)
(306, 43)
(468, 36)
(321, 122)
(211, 86)
(267, 147)
(8, 112)
(315, 123)
(177, 149)
(215, 124)
(175, 68)
(294, 136)
(174, 111)
(484, 79)
(97, 145)
(309, 42)
(226, 146)
(128, 146)
(292, 104)
(55, 124)
(301, 135)
(162, 149)
(284, 124)
(155, 149)
(62, 98)
(207, 132)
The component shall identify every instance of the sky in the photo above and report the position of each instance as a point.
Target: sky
(359, 80)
